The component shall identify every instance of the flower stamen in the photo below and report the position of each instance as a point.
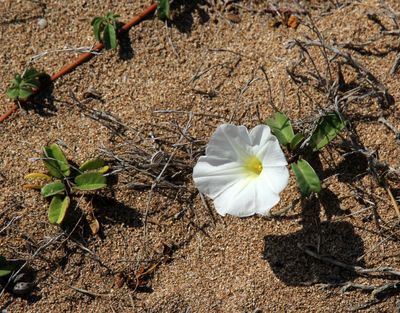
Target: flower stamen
(252, 165)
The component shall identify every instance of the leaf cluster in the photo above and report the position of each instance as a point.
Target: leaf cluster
(63, 180)
(23, 86)
(105, 29)
(327, 128)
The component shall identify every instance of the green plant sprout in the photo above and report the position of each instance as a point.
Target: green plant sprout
(105, 29)
(163, 10)
(63, 180)
(328, 127)
(23, 86)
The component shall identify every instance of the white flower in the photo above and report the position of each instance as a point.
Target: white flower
(242, 171)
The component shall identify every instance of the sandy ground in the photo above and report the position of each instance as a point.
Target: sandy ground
(197, 73)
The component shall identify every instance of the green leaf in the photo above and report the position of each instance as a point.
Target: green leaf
(12, 92)
(29, 85)
(30, 75)
(111, 16)
(327, 129)
(4, 271)
(90, 181)
(37, 176)
(93, 164)
(52, 189)
(109, 37)
(307, 180)
(5, 267)
(103, 169)
(55, 161)
(58, 209)
(296, 140)
(97, 27)
(281, 127)
(17, 80)
(163, 10)
(24, 93)
(96, 19)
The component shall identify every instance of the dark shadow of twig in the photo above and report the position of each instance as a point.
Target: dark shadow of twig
(20, 20)
(370, 52)
(125, 50)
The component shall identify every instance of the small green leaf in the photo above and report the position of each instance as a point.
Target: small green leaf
(30, 75)
(24, 93)
(296, 140)
(29, 85)
(109, 37)
(17, 80)
(12, 93)
(52, 189)
(4, 271)
(97, 23)
(327, 129)
(96, 19)
(38, 176)
(5, 267)
(307, 180)
(93, 164)
(90, 181)
(103, 169)
(281, 128)
(163, 10)
(55, 161)
(58, 209)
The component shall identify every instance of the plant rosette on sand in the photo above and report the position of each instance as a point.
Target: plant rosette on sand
(243, 171)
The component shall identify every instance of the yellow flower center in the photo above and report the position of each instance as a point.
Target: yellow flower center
(253, 165)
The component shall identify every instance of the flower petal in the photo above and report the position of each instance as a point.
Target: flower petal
(266, 198)
(213, 175)
(277, 177)
(260, 134)
(245, 198)
(271, 154)
(237, 200)
(229, 142)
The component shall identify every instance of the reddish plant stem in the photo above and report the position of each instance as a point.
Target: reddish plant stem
(88, 55)
(9, 112)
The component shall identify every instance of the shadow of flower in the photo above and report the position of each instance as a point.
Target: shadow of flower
(334, 239)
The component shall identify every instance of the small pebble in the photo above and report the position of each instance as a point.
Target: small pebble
(42, 23)
(23, 288)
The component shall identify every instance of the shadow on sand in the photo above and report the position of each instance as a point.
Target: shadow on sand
(334, 239)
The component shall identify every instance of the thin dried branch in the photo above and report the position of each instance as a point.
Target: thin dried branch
(354, 268)
(84, 291)
(48, 243)
(14, 219)
(373, 81)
